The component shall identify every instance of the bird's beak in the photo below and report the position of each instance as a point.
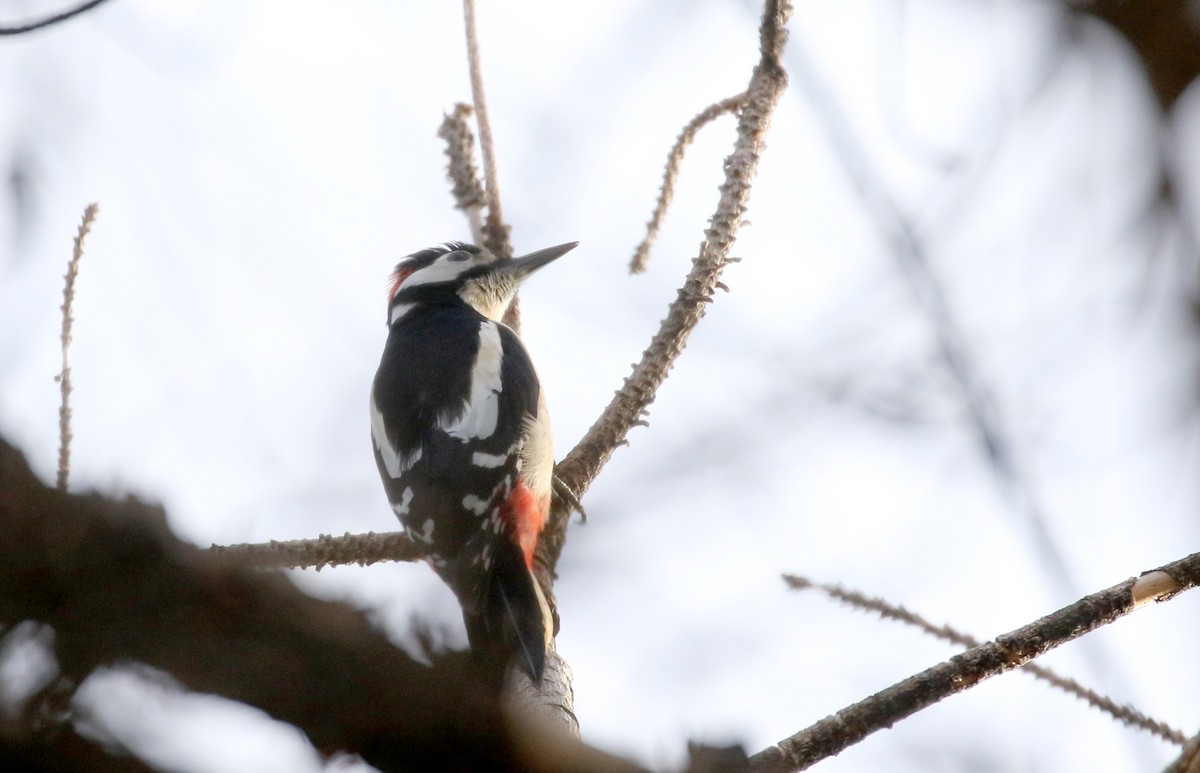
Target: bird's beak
(520, 268)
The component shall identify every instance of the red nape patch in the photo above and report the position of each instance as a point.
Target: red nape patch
(396, 279)
(524, 518)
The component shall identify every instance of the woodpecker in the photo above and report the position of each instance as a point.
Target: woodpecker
(463, 444)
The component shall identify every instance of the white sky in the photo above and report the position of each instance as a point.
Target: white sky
(260, 168)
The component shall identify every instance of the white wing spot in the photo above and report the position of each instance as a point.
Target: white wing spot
(477, 418)
(401, 508)
(480, 459)
(426, 535)
(474, 504)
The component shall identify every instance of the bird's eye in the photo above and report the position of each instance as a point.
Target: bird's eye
(457, 256)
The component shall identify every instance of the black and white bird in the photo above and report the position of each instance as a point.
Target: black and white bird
(463, 444)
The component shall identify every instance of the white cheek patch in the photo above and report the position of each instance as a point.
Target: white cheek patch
(478, 417)
(395, 462)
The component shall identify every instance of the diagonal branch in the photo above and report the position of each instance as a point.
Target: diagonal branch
(674, 161)
(839, 731)
(767, 84)
(48, 21)
(1125, 714)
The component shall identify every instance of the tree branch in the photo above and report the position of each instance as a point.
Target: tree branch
(585, 461)
(325, 550)
(116, 586)
(835, 733)
(64, 376)
(468, 192)
(1127, 715)
(21, 29)
(1164, 33)
(495, 231)
(641, 254)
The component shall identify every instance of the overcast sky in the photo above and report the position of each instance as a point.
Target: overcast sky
(260, 167)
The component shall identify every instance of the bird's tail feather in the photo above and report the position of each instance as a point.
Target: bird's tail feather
(513, 619)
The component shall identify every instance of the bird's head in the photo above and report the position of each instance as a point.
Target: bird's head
(482, 280)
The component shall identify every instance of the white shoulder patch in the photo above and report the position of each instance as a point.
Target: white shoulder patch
(399, 310)
(394, 462)
(477, 418)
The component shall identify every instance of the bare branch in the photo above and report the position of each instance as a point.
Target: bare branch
(495, 231)
(1188, 760)
(64, 376)
(584, 462)
(21, 29)
(1127, 715)
(468, 192)
(325, 550)
(674, 161)
(116, 586)
(852, 724)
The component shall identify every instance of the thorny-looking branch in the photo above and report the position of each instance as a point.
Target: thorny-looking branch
(637, 264)
(495, 231)
(628, 406)
(325, 550)
(584, 462)
(64, 376)
(468, 193)
(1124, 714)
(21, 29)
(116, 586)
(882, 710)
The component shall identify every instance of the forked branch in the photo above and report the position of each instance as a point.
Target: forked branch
(961, 672)
(1125, 714)
(629, 405)
(674, 162)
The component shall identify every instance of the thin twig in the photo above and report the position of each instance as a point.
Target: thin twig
(48, 21)
(467, 190)
(495, 231)
(629, 405)
(674, 161)
(64, 376)
(852, 724)
(1127, 715)
(325, 550)
(583, 463)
